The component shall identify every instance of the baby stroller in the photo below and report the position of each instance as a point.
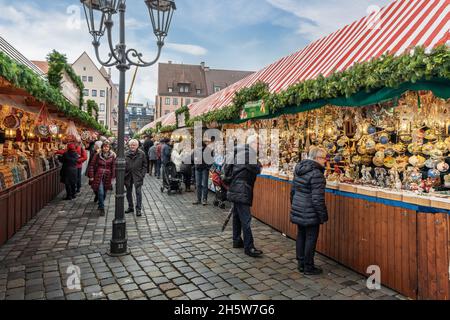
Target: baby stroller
(220, 188)
(171, 179)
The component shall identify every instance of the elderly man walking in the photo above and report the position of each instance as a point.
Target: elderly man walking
(308, 207)
(136, 169)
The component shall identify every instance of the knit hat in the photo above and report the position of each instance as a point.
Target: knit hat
(71, 147)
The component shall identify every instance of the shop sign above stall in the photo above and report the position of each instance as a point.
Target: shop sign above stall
(254, 109)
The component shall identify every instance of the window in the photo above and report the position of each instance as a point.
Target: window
(217, 89)
(184, 88)
(188, 101)
(102, 122)
(139, 111)
(195, 100)
(102, 107)
(170, 90)
(168, 101)
(94, 93)
(102, 93)
(175, 101)
(90, 79)
(86, 92)
(84, 107)
(133, 110)
(84, 78)
(84, 68)
(199, 91)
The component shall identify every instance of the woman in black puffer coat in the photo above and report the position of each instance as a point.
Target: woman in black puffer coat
(308, 209)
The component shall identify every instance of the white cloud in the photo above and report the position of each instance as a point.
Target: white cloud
(318, 19)
(36, 31)
(187, 48)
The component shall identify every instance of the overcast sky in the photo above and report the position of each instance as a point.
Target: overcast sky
(226, 34)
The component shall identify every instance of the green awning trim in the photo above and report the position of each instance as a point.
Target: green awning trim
(439, 87)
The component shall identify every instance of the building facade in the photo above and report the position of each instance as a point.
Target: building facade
(138, 115)
(98, 87)
(180, 85)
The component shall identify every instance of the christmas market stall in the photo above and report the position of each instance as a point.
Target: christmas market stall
(36, 120)
(375, 94)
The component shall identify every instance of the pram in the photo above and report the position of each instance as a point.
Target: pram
(220, 189)
(171, 179)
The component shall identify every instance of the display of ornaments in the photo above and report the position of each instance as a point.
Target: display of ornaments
(53, 129)
(384, 139)
(417, 161)
(434, 173)
(11, 122)
(443, 166)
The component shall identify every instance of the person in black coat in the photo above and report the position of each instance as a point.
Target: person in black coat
(135, 171)
(308, 209)
(240, 174)
(69, 171)
(148, 143)
(202, 164)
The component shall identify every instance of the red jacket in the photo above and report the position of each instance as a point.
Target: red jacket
(158, 151)
(83, 156)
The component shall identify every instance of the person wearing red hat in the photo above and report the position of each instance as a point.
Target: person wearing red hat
(68, 173)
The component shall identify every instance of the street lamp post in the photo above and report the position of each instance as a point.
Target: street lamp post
(99, 14)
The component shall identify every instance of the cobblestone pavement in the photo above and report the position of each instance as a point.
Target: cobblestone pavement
(177, 252)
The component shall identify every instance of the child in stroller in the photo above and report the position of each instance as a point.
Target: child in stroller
(171, 179)
(220, 188)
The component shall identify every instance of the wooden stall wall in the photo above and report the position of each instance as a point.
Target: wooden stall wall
(412, 249)
(433, 256)
(21, 203)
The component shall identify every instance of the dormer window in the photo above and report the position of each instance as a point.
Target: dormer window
(184, 88)
(170, 89)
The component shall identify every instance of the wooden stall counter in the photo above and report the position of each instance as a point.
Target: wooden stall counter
(405, 234)
(20, 203)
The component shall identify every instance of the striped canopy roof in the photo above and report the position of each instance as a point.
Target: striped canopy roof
(401, 25)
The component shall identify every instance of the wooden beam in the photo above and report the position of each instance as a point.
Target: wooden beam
(13, 91)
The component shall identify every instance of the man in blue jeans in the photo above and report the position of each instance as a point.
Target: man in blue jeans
(241, 173)
(202, 164)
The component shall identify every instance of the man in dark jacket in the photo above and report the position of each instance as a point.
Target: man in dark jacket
(136, 169)
(166, 150)
(241, 174)
(308, 210)
(147, 145)
(202, 163)
(69, 170)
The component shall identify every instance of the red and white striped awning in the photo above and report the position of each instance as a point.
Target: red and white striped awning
(401, 25)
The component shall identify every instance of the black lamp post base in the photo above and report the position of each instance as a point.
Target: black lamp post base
(118, 249)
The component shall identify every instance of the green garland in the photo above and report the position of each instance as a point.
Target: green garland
(22, 77)
(258, 91)
(167, 129)
(185, 110)
(57, 63)
(91, 106)
(387, 71)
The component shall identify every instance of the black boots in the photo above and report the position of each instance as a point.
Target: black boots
(253, 252)
(314, 271)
